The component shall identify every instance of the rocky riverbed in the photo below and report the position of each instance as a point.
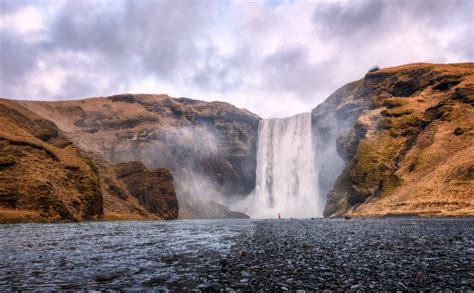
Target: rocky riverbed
(372, 254)
(247, 255)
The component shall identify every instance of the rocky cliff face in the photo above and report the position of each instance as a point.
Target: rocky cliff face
(399, 141)
(210, 148)
(406, 135)
(153, 189)
(45, 177)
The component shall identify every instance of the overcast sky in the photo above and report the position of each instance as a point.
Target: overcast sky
(275, 58)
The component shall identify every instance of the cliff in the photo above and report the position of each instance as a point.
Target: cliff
(400, 141)
(45, 177)
(210, 147)
(406, 135)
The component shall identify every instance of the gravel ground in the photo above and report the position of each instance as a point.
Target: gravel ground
(404, 254)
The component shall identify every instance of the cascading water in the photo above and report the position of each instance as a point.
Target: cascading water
(287, 175)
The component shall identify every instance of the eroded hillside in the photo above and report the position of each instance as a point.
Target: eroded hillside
(400, 141)
(45, 177)
(407, 136)
(210, 147)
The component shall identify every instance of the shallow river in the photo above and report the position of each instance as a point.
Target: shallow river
(101, 255)
(245, 254)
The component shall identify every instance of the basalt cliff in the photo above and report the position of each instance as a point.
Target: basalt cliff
(400, 141)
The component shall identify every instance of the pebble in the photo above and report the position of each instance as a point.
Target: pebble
(370, 254)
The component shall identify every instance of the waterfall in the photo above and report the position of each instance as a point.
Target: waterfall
(287, 175)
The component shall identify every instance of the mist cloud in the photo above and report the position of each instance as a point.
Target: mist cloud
(276, 59)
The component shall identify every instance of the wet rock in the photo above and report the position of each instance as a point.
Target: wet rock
(224, 262)
(203, 287)
(215, 286)
(238, 286)
(356, 255)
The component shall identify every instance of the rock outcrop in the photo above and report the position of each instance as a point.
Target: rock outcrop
(154, 189)
(210, 147)
(400, 141)
(44, 177)
(406, 135)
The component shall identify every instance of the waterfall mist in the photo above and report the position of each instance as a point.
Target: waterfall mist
(287, 173)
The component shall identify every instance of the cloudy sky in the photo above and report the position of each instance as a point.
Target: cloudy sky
(275, 58)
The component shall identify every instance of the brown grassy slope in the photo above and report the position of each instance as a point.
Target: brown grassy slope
(42, 176)
(212, 140)
(45, 178)
(123, 202)
(414, 144)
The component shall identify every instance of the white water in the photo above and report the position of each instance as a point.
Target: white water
(287, 175)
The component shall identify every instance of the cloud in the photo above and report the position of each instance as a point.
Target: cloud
(276, 58)
(389, 25)
(349, 20)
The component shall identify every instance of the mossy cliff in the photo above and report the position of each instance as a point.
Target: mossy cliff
(408, 143)
(44, 177)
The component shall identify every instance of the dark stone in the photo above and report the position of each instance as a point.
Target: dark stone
(459, 131)
(465, 94)
(224, 262)
(126, 98)
(6, 163)
(405, 88)
(447, 83)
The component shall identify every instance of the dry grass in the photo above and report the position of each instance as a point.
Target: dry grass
(10, 216)
(111, 216)
(435, 170)
(48, 180)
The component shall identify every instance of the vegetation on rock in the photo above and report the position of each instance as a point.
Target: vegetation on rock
(212, 143)
(44, 177)
(404, 147)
